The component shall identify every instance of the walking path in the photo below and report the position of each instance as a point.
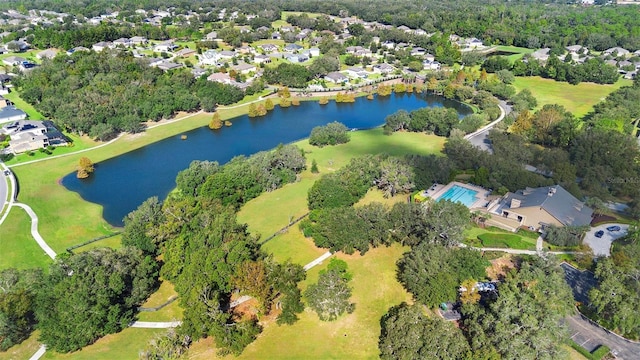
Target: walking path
(41, 350)
(480, 137)
(155, 324)
(34, 230)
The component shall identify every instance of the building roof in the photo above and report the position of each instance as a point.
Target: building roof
(557, 201)
(336, 76)
(10, 111)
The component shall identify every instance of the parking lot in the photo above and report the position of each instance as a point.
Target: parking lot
(602, 246)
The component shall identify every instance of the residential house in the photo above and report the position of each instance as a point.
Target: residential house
(20, 45)
(212, 36)
(383, 68)
(301, 36)
(313, 52)
(418, 51)
(13, 60)
(389, 44)
(296, 58)
(617, 51)
(186, 52)
(292, 48)
(431, 65)
(246, 49)
(227, 54)
(26, 135)
(220, 78)
(473, 43)
(537, 208)
(429, 57)
(5, 78)
(336, 77)
(576, 49)
(404, 28)
(78, 48)
(138, 40)
(47, 54)
(262, 29)
(356, 72)
(419, 32)
(210, 57)
(102, 45)
(122, 42)
(269, 47)
(287, 29)
(541, 55)
(244, 68)
(165, 46)
(276, 35)
(261, 59)
(168, 65)
(353, 49)
(197, 72)
(10, 113)
(4, 90)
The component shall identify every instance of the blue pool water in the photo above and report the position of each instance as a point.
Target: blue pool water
(459, 194)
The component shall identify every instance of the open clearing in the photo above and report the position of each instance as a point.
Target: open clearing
(578, 99)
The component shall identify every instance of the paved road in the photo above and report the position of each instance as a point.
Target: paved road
(580, 282)
(4, 187)
(589, 336)
(602, 246)
(480, 138)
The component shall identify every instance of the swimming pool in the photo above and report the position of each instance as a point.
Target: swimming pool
(460, 194)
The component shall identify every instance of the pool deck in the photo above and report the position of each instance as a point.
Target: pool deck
(437, 190)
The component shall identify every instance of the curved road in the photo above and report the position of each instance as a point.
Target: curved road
(480, 138)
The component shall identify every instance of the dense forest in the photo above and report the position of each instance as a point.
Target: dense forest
(102, 94)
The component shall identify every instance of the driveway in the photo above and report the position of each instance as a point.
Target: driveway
(480, 138)
(602, 246)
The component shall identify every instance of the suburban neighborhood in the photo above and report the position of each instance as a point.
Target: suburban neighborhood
(307, 179)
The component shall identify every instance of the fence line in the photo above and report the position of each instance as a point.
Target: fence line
(171, 299)
(284, 229)
(71, 248)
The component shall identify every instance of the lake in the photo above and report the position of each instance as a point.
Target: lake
(122, 183)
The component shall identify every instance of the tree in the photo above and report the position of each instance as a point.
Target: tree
(100, 289)
(314, 166)
(331, 134)
(268, 105)
(523, 322)
(396, 176)
(251, 279)
(190, 180)
(396, 121)
(469, 293)
(433, 273)
(138, 226)
(505, 76)
(253, 111)
(407, 333)
(85, 168)
(168, 346)
(215, 122)
(17, 305)
(329, 297)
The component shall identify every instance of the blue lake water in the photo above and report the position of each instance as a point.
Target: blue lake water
(122, 183)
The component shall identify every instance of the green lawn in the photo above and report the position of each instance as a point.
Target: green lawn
(352, 336)
(23, 350)
(78, 143)
(578, 99)
(510, 241)
(514, 49)
(126, 344)
(17, 247)
(15, 98)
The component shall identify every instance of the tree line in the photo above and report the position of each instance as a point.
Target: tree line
(102, 94)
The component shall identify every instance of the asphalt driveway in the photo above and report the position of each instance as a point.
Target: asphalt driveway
(602, 246)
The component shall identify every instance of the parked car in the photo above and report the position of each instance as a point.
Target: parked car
(613, 228)
(7, 172)
(599, 233)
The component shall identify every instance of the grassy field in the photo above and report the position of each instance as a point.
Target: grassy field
(23, 350)
(578, 99)
(17, 248)
(352, 336)
(170, 312)
(506, 241)
(126, 344)
(289, 202)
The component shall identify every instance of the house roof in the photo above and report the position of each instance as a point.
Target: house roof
(557, 201)
(49, 53)
(10, 111)
(336, 76)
